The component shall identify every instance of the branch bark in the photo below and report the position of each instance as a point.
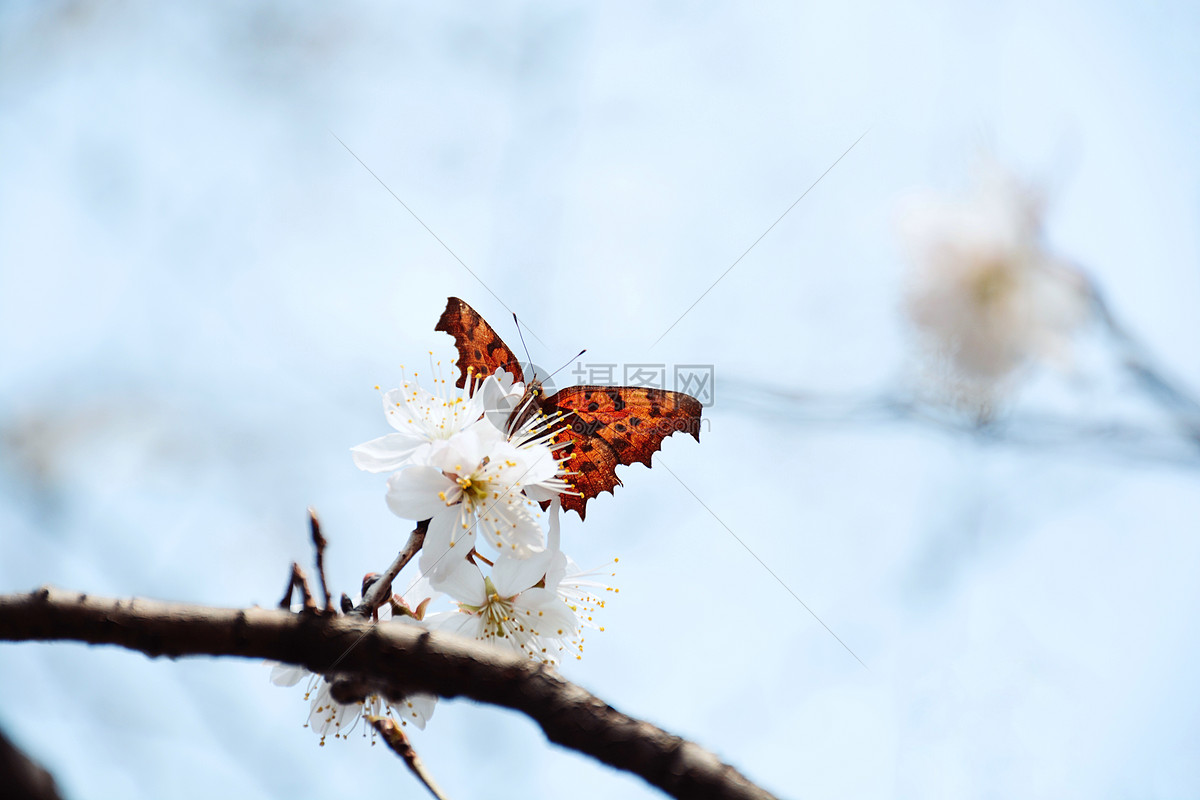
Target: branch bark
(21, 777)
(402, 657)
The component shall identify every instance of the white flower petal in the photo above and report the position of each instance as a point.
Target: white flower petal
(463, 581)
(540, 465)
(446, 542)
(465, 450)
(288, 674)
(554, 535)
(510, 525)
(546, 613)
(458, 623)
(420, 591)
(416, 709)
(416, 493)
(386, 453)
(540, 494)
(329, 717)
(500, 396)
(512, 575)
(396, 410)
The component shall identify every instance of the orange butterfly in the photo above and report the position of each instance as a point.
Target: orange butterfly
(603, 425)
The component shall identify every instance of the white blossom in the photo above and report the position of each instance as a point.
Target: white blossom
(327, 717)
(456, 463)
(474, 488)
(510, 608)
(538, 605)
(985, 294)
(421, 419)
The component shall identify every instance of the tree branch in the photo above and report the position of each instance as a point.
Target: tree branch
(21, 777)
(403, 657)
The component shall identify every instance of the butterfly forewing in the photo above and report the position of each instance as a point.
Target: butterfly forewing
(481, 351)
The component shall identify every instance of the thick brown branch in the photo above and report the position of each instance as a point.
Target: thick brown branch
(390, 653)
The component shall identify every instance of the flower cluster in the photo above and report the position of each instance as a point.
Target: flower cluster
(480, 470)
(456, 462)
(537, 605)
(480, 466)
(985, 293)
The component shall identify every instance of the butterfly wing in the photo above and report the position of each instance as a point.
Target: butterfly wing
(611, 425)
(605, 426)
(481, 351)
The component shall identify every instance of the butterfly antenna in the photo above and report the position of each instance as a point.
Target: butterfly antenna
(528, 358)
(564, 366)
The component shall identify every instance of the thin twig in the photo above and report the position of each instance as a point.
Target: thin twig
(298, 580)
(319, 543)
(290, 589)
(1136, 358)
(388, 654)
(381, 590)
(398, 742)
(1048, 431)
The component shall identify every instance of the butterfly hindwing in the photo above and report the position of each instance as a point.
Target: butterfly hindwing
(631, 420)
(481, 351)
(591, 466)
(611, 425)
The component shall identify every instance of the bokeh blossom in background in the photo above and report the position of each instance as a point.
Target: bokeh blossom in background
(986, 295)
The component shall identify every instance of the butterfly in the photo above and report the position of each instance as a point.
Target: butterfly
(602, 426)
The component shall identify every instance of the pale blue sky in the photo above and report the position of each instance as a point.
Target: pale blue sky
(199, 287)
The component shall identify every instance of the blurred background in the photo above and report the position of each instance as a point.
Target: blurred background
(200, 287)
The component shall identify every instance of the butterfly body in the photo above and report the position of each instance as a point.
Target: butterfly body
(599, 427)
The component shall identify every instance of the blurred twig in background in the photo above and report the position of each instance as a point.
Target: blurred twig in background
(21, 778)
(1116, 438)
